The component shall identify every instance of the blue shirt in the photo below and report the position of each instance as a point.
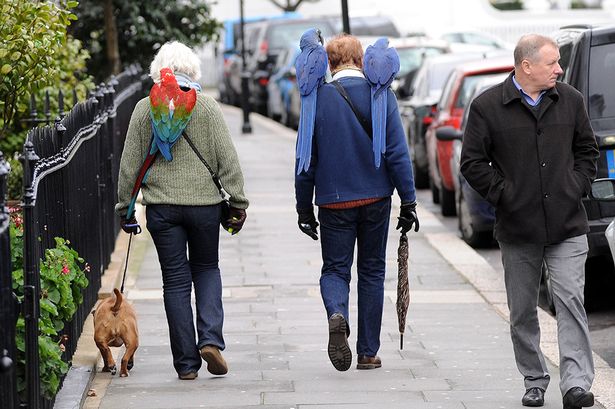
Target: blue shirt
(527, 98)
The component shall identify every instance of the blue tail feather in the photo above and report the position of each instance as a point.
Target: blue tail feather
(379, 115)
(306, 130)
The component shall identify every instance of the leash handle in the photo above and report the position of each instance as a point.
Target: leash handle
(126, 264)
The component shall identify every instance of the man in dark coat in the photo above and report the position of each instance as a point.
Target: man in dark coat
(530, 151)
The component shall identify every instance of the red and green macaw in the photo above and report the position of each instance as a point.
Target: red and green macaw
(170, 110)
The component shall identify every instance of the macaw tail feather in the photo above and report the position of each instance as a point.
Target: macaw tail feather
(306, 130)
(141, 176)
(162, 145)
(379, 121)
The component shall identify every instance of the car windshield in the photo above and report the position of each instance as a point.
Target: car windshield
(469, 85)
(438, 75)
(282, 35)
(410, 58)
(601, 68)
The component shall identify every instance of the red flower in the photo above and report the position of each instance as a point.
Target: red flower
(65, 269)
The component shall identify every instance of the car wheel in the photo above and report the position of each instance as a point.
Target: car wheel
(545, 295)
(476, 239)
(447, 202)
(435, 192)
(421, 178)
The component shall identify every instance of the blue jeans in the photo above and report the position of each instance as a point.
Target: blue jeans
(368, 226)
(173, 229)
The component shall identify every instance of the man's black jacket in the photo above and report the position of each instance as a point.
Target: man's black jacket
(533, 165)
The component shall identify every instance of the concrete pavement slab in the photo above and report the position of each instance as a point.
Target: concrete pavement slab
(457, 352)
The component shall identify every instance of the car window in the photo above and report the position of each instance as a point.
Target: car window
(410, 58)
(468, 85)
(474, 38)
(601, 92)
(446, 91)
(282, 35)
(438, 75)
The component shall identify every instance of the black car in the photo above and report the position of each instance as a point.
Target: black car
(588, 60)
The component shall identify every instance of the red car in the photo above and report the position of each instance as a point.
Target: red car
(453, 102)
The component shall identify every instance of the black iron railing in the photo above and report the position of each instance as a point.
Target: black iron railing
(8, 307)
(70, 187)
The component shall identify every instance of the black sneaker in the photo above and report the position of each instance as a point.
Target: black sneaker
(339, 351)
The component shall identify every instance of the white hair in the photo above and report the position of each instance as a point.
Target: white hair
(179, 58)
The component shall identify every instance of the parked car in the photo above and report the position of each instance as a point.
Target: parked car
(451, 106)
(281, 83)
(230, 85)
(476, 216)
(588, 60)
(412, 52)
(374, 26)
(272, 37)
(418, 108)
(473, 40)
(229, 50)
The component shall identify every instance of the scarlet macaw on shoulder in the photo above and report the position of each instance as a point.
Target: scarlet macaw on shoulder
(311, 67)
(380, 65)
(170, 111)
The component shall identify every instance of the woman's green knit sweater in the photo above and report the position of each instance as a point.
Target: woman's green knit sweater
(185, 180)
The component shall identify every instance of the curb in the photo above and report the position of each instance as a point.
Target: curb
(490, 285)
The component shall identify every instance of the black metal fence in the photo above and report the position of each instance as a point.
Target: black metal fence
(70, 187)
(8, 313)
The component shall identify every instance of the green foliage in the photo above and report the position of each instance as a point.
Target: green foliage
(32, 35)
(63, 278)
(15, 180)
(142, 27)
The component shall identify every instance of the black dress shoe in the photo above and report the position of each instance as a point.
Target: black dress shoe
(533, 397)
(577, 398)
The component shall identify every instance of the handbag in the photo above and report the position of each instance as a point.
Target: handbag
(225, 205)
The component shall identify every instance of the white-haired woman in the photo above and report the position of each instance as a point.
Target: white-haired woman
(183, 212)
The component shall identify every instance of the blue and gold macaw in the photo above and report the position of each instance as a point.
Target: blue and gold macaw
(380, 66)
(311, 67)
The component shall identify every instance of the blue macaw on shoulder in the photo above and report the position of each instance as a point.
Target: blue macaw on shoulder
(311, 67)
(380, 65)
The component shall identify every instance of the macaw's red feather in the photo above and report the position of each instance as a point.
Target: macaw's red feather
(170, 110)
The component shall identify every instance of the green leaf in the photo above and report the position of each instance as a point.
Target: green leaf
(6, 68)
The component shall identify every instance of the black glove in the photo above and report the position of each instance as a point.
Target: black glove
(130, 225)
(307, 222)
(235, 221)
(407, 217)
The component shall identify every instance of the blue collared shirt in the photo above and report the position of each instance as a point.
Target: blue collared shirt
(527, 98)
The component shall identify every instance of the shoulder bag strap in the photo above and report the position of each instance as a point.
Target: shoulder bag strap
(367, 127)
(214, 175)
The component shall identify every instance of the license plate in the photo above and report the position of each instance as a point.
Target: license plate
(610, 161)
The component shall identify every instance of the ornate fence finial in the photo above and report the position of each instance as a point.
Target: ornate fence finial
(47, 109)
(61, 113)
(75, 98)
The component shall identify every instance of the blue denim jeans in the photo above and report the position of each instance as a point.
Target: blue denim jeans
(339, 230)
(196, 229)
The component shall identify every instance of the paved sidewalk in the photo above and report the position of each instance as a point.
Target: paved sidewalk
(457, 352)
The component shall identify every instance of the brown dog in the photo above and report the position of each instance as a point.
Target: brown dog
(115, 324)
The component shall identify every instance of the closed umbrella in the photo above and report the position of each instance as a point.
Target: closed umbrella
(403, 288)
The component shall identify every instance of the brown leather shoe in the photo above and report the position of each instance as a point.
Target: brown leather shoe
(216, 365)
(190, 376)
(368, 362)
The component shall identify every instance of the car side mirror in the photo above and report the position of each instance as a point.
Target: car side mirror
(448, 133)
(603, 190)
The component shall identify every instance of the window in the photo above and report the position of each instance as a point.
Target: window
(411, 58)
(601, 101)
